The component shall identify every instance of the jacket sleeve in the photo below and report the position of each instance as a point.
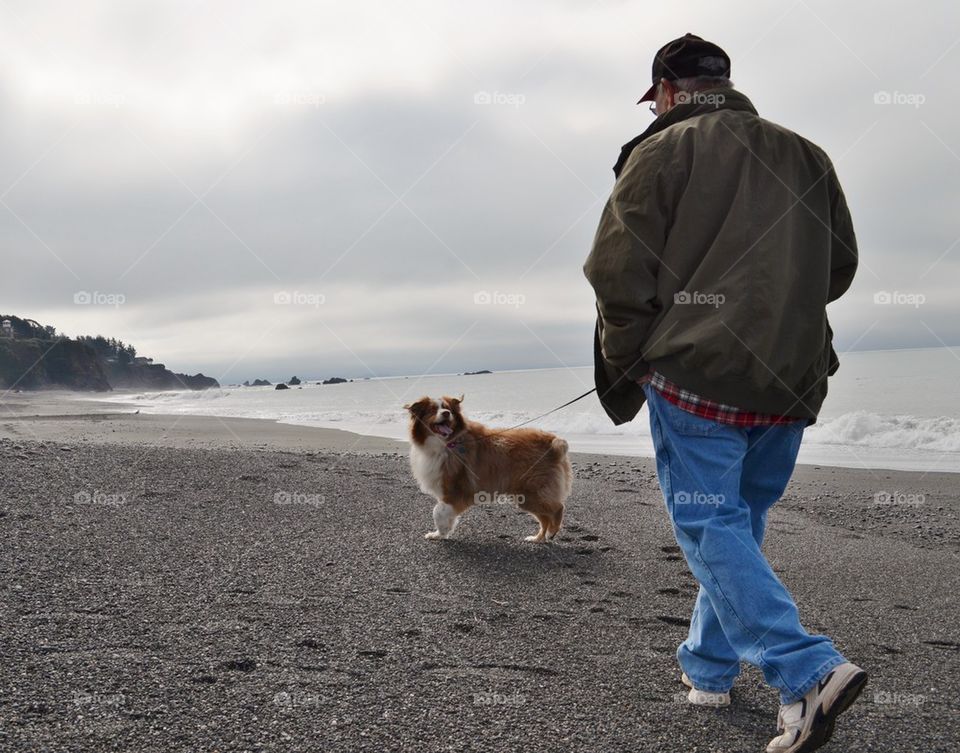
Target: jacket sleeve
(843, 247)
(626, 259)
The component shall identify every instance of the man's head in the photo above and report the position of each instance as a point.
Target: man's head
(686, 65)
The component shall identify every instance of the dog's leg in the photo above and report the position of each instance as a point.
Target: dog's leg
(445, 519)
(538, 537)
(555, 523)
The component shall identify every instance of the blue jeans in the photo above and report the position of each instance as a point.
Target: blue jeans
(718, 482)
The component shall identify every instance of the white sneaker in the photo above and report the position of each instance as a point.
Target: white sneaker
(704, 697)
(808, 724)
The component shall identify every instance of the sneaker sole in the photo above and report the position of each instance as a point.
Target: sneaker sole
(820, 734)
(686, 681)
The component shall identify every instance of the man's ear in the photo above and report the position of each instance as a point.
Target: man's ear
(669, 91)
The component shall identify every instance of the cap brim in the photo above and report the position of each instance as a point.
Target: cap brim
(649, 96)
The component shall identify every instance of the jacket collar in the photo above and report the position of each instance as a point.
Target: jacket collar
(732, 100)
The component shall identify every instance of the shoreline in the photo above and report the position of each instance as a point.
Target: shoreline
(186, 431)
(55, 415)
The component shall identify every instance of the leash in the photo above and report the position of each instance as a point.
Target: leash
(458, 446)
(542, 415)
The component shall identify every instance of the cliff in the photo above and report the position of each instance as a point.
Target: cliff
(34, 364)
(35, 357)
(155, 376)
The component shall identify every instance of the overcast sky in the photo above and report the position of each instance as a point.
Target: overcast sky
(263, 189)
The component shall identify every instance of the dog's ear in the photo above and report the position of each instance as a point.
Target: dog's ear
(454, 401)
(419, 406)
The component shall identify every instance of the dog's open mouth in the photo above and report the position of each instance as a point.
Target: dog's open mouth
(443, 429)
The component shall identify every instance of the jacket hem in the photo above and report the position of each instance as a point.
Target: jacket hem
(777, 402)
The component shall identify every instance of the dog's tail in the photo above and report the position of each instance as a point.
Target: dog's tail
(559, 448)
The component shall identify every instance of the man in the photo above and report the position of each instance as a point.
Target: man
(723, 241)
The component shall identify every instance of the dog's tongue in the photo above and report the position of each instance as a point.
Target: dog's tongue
(444, 430)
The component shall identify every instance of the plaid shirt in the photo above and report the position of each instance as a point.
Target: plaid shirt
(700, 406)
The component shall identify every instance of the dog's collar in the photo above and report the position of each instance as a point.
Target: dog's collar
(457, 445)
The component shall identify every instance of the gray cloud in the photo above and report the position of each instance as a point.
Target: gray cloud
(305, 137)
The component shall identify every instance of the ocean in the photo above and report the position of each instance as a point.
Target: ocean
(896, 409)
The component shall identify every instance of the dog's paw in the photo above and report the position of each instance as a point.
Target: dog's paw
(433, 536)
(535, 539)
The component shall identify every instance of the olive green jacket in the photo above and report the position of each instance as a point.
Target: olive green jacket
(723, 241)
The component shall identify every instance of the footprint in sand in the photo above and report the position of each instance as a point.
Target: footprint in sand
(240, 665)
(887, 649)
(952, 645)
(671, 620)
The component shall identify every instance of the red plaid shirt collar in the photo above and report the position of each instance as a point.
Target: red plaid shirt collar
(701, 406)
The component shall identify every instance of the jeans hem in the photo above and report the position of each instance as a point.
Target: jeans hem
(709, 687)
(820, 673)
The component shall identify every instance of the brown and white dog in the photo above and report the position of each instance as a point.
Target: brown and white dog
(461, 463)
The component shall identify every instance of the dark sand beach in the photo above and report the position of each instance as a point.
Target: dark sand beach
(176, 583)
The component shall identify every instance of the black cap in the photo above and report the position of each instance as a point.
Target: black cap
(687, 57)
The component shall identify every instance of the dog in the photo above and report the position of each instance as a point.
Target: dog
(461, 463)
